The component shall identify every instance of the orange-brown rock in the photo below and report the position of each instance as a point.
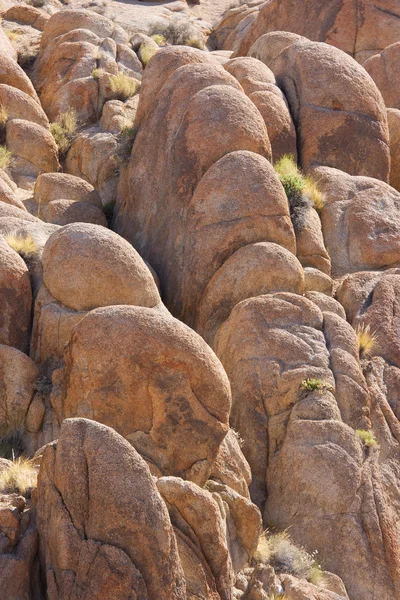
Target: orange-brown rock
(253, 270)
(360, 221)
(258, 83)
(163, 389)
(65, 212)
(193, 509)
(11, 74)
(20, 105)
(68, 20)
(27, 15)
(86, 266)
(18, 575)
(338, 112)
(96, 496)
(360, 28)
(223, 189)
(298, 436)
(393, 115)
(18, 374)
(33, 144)
(383, 68)
(16, 299)
(93, 157)
(371, 299)
(58, 186)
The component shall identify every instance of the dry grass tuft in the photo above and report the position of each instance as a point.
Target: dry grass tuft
(263, 552)
(312, 192)
(25, 246)
(20, 477)
(146, 53)
(312, 385)
(367, 341)
(367, 437)
(122, 86)
(296, 184)
(285, 557)
(179, 31)
(5, 157)
(159, 39)
(97, 73)
(64, 130)
(12, 35)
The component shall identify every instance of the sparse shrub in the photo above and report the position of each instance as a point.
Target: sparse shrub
(367, 341)
(179, 31)
(146, 53)
(312, 192)
(316, 576)
(313, 385)
(5, 157)
(126, 141)
(263, 552)
(20, 477)
(12, 443)
(64, 130)
(159, 39)
(279, 551)
(12, 34)
(122, 86)
(97, 73)
(24, 245)
(367, 437)
(301, 191)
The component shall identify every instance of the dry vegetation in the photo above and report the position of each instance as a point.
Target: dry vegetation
(122, 87)
(296, 185)
(24, 245)
(20, 477)
(5, 157)
(367, 341)
(279, 551)
(64, 130)
(367, 437)
(178, 31)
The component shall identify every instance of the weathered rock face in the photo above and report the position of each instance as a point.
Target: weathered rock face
(372, 299)
(103, 526)
(360, 221)
(74, 44)
(300, 441)
(341, 120)
(383, 68)
(18, 374)
(163, 389)
(359, 28)
(92, 157)
(19, 544)
(258, 83)
(226, 33)
(86, 266)
(393, 115)
(16, 299)
(33, 145)
(229, 191)
(20, 105)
